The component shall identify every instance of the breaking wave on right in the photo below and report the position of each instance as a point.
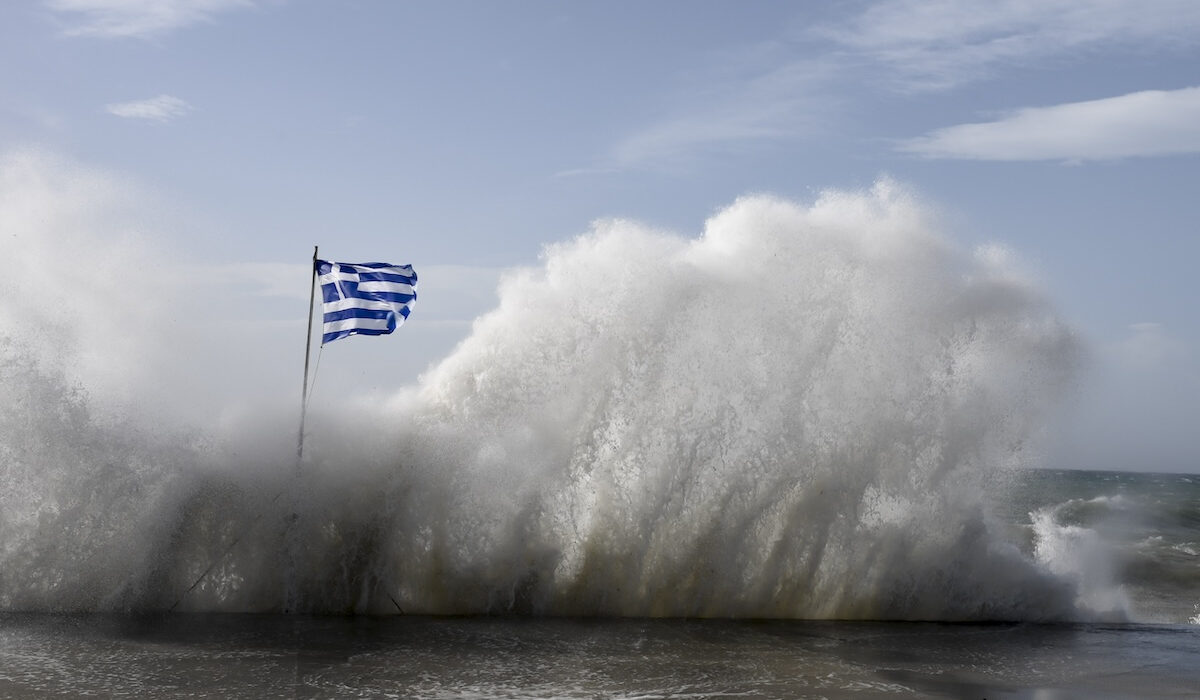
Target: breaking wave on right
(1126, 540)
(797, 414)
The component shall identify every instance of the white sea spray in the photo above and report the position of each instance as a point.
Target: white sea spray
(791, 415)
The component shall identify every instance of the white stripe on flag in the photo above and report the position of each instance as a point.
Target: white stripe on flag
(348, 323)
(385, 287)
(355, 303)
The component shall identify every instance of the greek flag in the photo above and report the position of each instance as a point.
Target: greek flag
(366, 298)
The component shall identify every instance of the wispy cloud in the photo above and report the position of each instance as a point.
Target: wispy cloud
(1148, 345)
(266, 279)
(1149, 123)
(158, 109)
(939, 44)
(790, 87)
(449, 293)
(776, 103)
(137, 18)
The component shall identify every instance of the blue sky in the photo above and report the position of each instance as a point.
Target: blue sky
(463, 137)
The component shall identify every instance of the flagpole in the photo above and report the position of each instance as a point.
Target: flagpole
(290, 582)
(312, 294)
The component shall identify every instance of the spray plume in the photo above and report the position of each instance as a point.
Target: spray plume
(793, 415)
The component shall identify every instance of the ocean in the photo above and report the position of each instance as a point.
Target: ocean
(1136, 534)
(788, 458)
(225, 656)
(1146, 527)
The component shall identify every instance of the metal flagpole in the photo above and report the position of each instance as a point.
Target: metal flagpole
(299, 456)
(290, 600)
(304, 405)
(312, 294)
(291, 545)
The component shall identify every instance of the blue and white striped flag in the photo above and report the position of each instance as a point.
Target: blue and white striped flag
(366, 298)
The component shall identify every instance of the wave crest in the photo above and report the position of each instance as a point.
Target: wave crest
(790, 416)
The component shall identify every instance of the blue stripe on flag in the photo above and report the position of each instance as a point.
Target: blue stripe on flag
(344, 314)
(385, 277)
(390, 296)
(330, 337)
(331, 293)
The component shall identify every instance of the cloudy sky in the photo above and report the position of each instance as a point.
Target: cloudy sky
(230, 136)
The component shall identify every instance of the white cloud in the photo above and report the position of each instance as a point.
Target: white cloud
(137, 18)
(160, 109)
(785, 88)
(1149, 123)
(939, 44)
(268, 279)
(1138, 404)
(1147, 346)
(783, 102)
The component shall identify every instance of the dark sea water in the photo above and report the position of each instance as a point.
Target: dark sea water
(1133, 537)
(1144, 525)
(215, 656)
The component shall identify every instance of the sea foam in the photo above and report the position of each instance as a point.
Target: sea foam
(789, 416)
(792, 415)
